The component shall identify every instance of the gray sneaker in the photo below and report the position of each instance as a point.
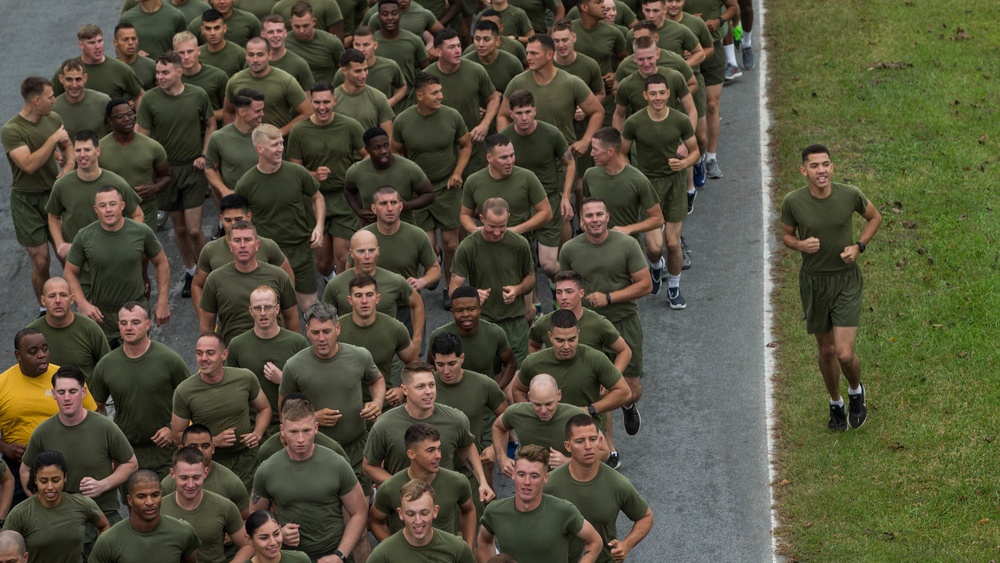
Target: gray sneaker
(712, 169)
(748, 60)
(686, 262)
(733, 72)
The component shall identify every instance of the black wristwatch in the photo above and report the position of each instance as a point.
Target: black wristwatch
(592, 410)
(339, 554)
(861, 246)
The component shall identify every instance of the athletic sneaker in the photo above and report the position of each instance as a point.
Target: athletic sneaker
(691, 198)
(675, 298)
(838, 418)
(858, 412)
(161, 219)
(512, 448)
(748, 60)
(686, 261)
(446, 300)
(699, 174)
(712, 169)
(614, 461)
(188, 278)
(657, 275)
(633, 421)
(733, 72)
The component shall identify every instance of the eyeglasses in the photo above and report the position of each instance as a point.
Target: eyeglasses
(263, 308)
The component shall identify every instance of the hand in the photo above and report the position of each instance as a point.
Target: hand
(162, 314)
(487, 455)
(622, 230)
(143, 53)
(809, 245)
(225, 439)
(316, 238)
(597, 299)
(162, 438)
(394, 396)
(62, 249)
(371, 410)
(578, 114)
(328, 417)
(13, 452)
(322, 173)
(676, 164)
(416, 283)
(61, 136)
(486, 494)
(455, 181)
(91, 312)
(510, 293)
(199, 163)
(619, 551)
(484, 294)
(251, 440)
(272, 373)
(368, 217)
(90, 487)
(713, 24)
(145, 191)
(609, 80)
(566, 207)
(556, 458)
(850, 254)
(580, 148)
(479, 132)
(507, 467)
(290, 534)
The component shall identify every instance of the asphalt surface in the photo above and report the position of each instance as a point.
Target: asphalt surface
(701, 458)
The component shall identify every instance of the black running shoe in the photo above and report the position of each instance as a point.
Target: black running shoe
(633, 421)
(858, 411)
(838, 418)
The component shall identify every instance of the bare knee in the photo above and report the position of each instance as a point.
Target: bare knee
(846, 356)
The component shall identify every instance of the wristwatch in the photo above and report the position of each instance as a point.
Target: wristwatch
(339, 554)
(592, 410)
(861, 246)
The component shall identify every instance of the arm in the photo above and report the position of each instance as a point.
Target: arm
(290, 316)
(417, 316)
(464, 154)
(466, 217)
(501, 435)
(450, 13)
(206, 321)
(678, 164)
(245, 549)
(319, 210)
(616, 397)
(353, 197)
(485, 548)
(397, 147)
(304, 110)
(640, 528)
(467, 522)
(492, 106)
(102, 524)
(321, 173)
(25, 474)
(627, 149)
(872, 220)
(653, 221)
(215, 180)
(592, 107)
(543, 214)
(258, 502)
(6, 494)
(138, 216)
(569, 178)
(623, 354)
(687, 102)
(642, 284)
(210, 125)
(197, 288)
(618, 119)
(509, 363)
(378, 523)
(94, 488)
(356, 506)
(519, 390)
(31, 162)
(72, 274)
(470, 456)
(228, 112)
(338, 30)
(162, 313)
(376, 473)
(372, 410)
(697, 56)
(432, 274)
(263, 409)
(177, 426)
(592, 539)
(55, 231)
(503, 115)
(160, 183)
(397, 95)
(141, 129)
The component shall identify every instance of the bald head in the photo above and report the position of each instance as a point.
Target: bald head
(543, 387)
(12, 547)
(363, 238)
(364, 252)
(54, 283)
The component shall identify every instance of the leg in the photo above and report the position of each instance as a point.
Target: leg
(306, 300)
(714, 96)
(654, 245)
(844, 338)
(196, 238)
(828, 364)
(548, 259)
(634, 385)
(675, 255)
(340, 248)
(449, 244)
(701, 134)
(182, 239)
(325, 256)
(40, 262)
(746, 16)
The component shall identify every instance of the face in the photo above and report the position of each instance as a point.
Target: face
(381, 152)
(422, 390)
(466, 312)
(144, 501)
(610, 11)
(134, 325)
(537, 56)
(366, 44)
(210, 355)
(593, 8)
(387, 208)
(270, 151)
(323, 337)
(57, 299)
(190, 478)
(257, 57)
(356, 74)
(364, 250)
(363, 301)
(122, 119)
(33, 355)
(91, 50)
(203, 442)
(529, 479)
(223, 6)
(569, 295)
(127, 42)
(13, 555)
(50, 481)
(673, 7)
(646, 59)
(565, 41)
(109, 207)
(275, 34)
(654, 11)
(601, 154)
(595, 218)
(167, 75)
(451, 51)
(304, 27)
(43, 103)
(388, 17)
(486, 43)
(430, 96)
(300, 435)
(214, 32)
(494, 225)
(264, 309)
(230, 216)
(544, 401)
(583, 444)
(426, 455)
(564, 341)
(266, 539)
(449, 367)
(656, 96)
(189, 51)
(501, 159)
(817, 169)
(243, 243)
(73, 81)
(418, 517)
(524, 118)
(253, 114)
(86, 153)
(322, 104)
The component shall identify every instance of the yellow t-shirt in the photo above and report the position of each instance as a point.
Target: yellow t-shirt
(26, 401)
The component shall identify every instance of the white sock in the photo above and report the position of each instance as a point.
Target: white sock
(853, 391)
(673, 281)
(691, 191)
(192, 271)
(839, 403)
(745, 40)
(658, 265)
(730, 54)
(709, 156)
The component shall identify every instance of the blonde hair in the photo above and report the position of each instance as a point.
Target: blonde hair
(184, 37)
(265, 132)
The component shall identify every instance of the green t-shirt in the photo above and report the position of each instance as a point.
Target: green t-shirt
(482, 349)
(386, 447)
(54, 535)
(407, 253)
(709, 9)
(537, 12)
(136, 163)
(219, 406)
(827, 219)
(606, 267)
(230, 59)
(214, 518)
(232, 152)
(393, 288)
(326, 12)
(195, 8)
(599, 500)
(145, 70)
(143, 389)
(585, 68)
(539, 536)
(212, 80)
(221, 480)
(521, 190)
(335, 146)
(240, 27)
(515, 20)
(308, 493)
(384, 338)
(436, 154)
(177, 122)
(290, 557)
(502, 70)
(170, 542)
(72, 198)
(85, 115)
(700, 30)
(333, 383)
(113, 258)
(273, 445)
(476, 395)
(656, 141)
(156, 30)
(369, 107)
(451, 490)
(227, 294)
(631, 89)
(19, 132)
(297, 67)
(81, 344)
(667, 59)
(556, 101)
(322, 53)
(624, 17)
(402, 174)
(493, 265)
(282, 93)
(508, 45)
(384, 75)
(602, 43)
(442, 547)
(280, 214)
(530, 429)
(627, 194)
(110, 76)
(251, 352)
(595, 331)
(580, 378)
(407, 50)
(466, 90)
(217, 254)
(92, 449)
(673, 36)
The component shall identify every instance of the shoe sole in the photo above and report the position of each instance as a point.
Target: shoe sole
(678, 307)
(637, 426)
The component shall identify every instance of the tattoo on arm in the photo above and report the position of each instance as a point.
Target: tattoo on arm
(567, 156)
(254, 498)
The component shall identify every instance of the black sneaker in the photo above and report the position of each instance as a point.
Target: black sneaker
(614, 462)
(446, 301)
(858, 411)
(675, 299)
(188, 278)
(838, 418)
(656, 274)
(691, 197)
(633, 421)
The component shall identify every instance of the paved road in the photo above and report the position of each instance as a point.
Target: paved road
(701, 457)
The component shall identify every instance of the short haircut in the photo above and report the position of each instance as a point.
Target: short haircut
(132, 306)
(69, 372)
(273, 18)
(87, 135)
(141, 477)
(245, 97)
(534, 453)
(258, 519)
(413, 368)
(260, 40)
(269, 289)
(70, 65)
(33, 86)
(654, 79)
(424, 79)
(563, 318)
(321, 86)
(814, 149)
(644, 42)
(501, 558)
(644, 2)
(521, 98)
(581, 420)
(569, 275)
(609, 137)
(487, 25)
(169, 58)
(490, 13)
(373, 133)
(196, 428)
(352, 55)
(216, 335)
(301, 8)
(113, 103)
(234, 201)
(496, 140)
(562, 24)
(415, 489)
(444, 35)
(384, 2)
(385, 190)
(243, 225)
(648, 25)
(109, 188)
(420, 432)
(296, 408)
(464, 291)
(447, 343)
(88, 31)
(265, 132)
(211, 15)
(121, 26)
(183, 37)
(593, 199)
(321, 312)
(543, 39)
(495, 206)
(190, 455)
(22, 333)
(47, 458)
(12, 540)
(362, 280)
(364, 30)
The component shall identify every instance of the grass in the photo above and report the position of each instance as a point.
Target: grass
(921, 139)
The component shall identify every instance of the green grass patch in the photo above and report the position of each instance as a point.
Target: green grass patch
(904, 93)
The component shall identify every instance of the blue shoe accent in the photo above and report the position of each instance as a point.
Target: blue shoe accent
(699, 174)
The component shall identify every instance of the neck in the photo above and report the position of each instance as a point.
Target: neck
(461, 332)
(615, 165)
(267, 333)
(419, 543)
(567, 60)
(677, 18)
(391, 34)
(124, 138)
(352, 88)
(195, 69)
(417, 472)
(449, 68)
(75, 419)
(262, 73)
(658, 114)
(114, 228)
(278, 52)
(212, 377)
(217, 47)
(388, 228)
(186, 504)
(530, 130)
(545, 74)
(241, 125)
(246, 267)
(297, 457)
(417, 412)
(588, 21)
(599, 238)
(76, 99)
(29, 113)
(527, 505)
(175, 90)
(150, 6)
(578, 310)
(496, 174)
(370, 60)
(127, 59)
(425, 111)
(267, 167)
(63, 322)
(89, 175)
(137, 349)
(491, 56)
(363, 322)
(582, 472)
(88, 61)
(141, 525)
